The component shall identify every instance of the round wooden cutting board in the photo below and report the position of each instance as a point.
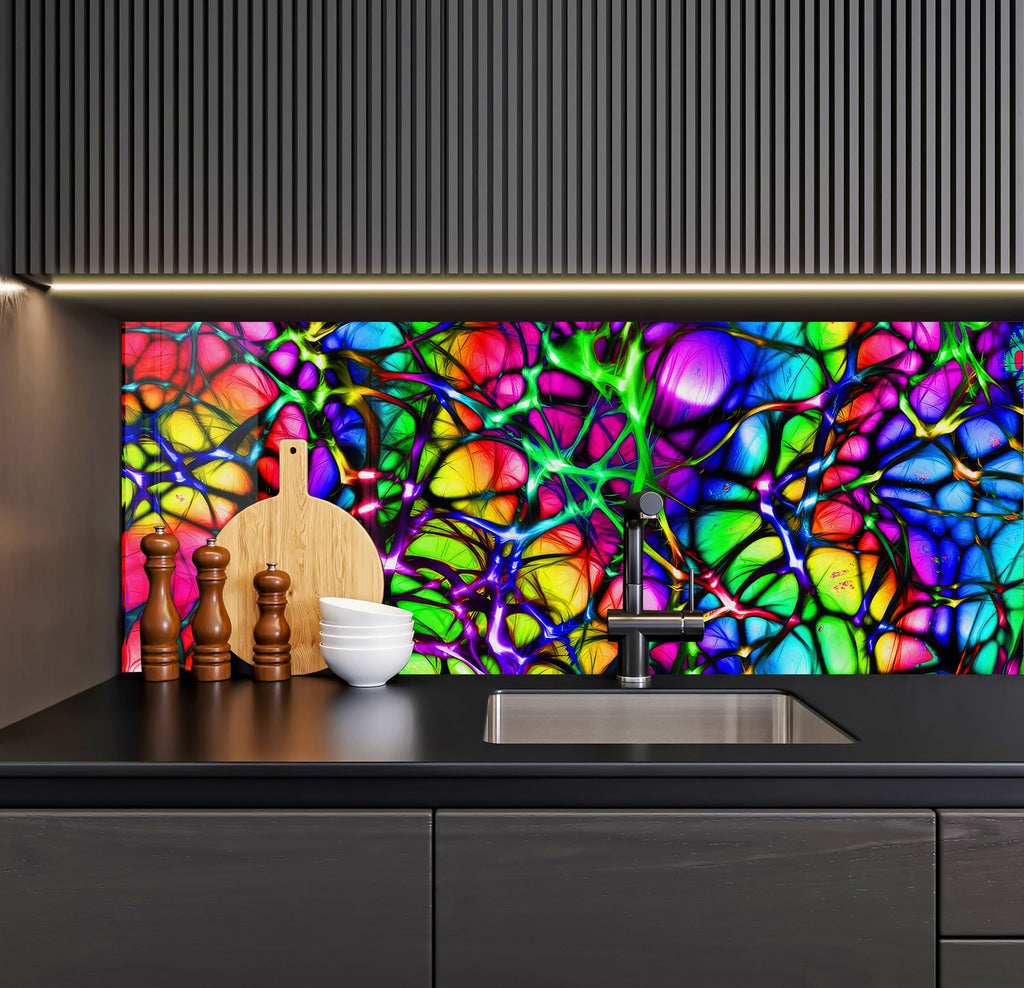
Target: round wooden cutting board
(323, 548)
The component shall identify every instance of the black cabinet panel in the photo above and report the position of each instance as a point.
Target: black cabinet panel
(232, 898)
(657, 898)
(981, 963)
(522, 137)
(981, 873)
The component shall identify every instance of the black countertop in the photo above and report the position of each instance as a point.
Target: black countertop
(921, 741)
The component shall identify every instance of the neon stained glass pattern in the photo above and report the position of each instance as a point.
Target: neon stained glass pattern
(849, 495)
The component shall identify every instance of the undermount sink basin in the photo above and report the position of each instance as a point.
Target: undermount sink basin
(655, 717)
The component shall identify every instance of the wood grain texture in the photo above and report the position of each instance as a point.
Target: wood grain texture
(981, 873)
(324, 549)
(981, 963)
(259, 898)
(698, 898)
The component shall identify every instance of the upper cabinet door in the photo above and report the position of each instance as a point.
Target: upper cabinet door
(684, 898)
(261, 899)
(557, 137)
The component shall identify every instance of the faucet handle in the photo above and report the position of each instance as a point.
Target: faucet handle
(689, 600)
(645, 504)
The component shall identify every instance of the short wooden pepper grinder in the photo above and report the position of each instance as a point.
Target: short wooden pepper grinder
(159, 625)
(211, 626)
(271, 651)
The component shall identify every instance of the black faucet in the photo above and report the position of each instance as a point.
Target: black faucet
(632, 625)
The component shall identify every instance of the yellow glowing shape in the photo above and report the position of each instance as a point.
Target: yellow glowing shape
(182, 429)
(840, 577)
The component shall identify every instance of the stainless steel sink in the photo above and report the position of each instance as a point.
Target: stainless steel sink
(655, 717)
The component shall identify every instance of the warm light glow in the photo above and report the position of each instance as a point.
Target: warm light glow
(10, 287)
(547, 285)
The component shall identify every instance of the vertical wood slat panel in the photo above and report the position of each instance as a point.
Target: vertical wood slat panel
(945, 137)
(854, 184)
(735, 153)
(517, 136)
(961, 192)
(199, 163)
(810, 127)
(79, 174)
(11, 107)
(256, 85)
(1017, 90)
(230, 175)
(284, 138)
(900, 126)
(406, 154)
(328, 133)
(781, 164)
(272, 136)
(345, 147)
(602, 158)
(869, 131)
(437, 162)
(51, 133)
(167, 43)
(13, 209)
(139, 83)
(303, 185)
(511, 68)
(705, 160)
(375, 152)
(482, 102)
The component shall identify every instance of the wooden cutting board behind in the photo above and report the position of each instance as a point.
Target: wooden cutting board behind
(325, 551)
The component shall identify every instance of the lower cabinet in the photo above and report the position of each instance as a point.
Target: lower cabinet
(981, 855)
(539, 898)
(254, 898)
(614, 898)
(981, 897)
(981, 963)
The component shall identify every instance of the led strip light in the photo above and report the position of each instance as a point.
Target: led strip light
(554, 285)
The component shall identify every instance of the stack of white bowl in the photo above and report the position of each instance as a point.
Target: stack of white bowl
(362, 642)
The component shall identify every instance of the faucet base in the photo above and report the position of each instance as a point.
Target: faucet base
(635, 682)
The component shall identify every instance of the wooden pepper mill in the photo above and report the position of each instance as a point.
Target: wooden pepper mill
(211, 626)
(271, 651)
(159, 625)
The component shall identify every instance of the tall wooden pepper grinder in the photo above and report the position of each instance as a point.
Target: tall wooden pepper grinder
(159, 625)
(211, 626)
(271, 650)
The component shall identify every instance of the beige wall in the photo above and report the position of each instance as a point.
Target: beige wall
(60, 372)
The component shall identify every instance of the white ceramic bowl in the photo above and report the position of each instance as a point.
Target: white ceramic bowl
(346, 610)
(365, 630)
(364, 641)
(361, 666)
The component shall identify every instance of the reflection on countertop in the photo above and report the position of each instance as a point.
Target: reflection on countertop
(242, 721)
(419, 741)
(970, 725)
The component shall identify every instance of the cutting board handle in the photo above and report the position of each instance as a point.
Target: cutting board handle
(294, 469)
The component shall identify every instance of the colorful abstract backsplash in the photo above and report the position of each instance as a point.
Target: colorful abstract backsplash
(848, 495)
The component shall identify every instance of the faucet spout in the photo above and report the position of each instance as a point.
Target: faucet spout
(632, 625)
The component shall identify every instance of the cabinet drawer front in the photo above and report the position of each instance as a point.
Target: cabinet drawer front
(649, 899)
(256, 898)
(981, 963)
(981, 873)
